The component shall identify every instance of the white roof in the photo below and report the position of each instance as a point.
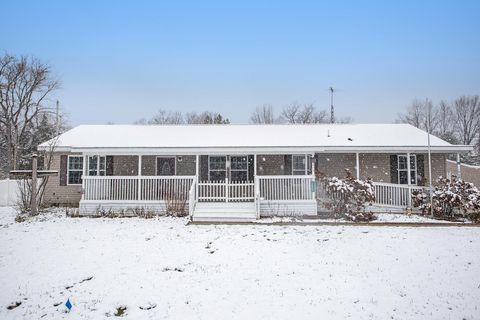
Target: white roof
(189, 139)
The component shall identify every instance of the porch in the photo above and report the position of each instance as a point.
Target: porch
(218, 187)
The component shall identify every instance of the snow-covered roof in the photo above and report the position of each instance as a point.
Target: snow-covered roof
(189, 139)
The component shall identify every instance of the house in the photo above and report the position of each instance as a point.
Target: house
(236, 172)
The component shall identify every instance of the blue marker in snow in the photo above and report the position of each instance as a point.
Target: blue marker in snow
(68, 304)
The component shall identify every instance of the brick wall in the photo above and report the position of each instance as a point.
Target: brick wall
(185, 167)
(468, 173)
(373, 165)
(271, 165)
(334, 164)
(61, 195)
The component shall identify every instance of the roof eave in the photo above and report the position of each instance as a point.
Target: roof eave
(257, 149)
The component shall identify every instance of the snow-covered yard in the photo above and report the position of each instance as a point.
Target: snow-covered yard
(161, 268)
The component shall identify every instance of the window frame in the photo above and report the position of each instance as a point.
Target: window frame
(74, 170)
(413, 172)
(217, 170)
(174, 165)
(97, 169)
(305, 170)
(239, 170)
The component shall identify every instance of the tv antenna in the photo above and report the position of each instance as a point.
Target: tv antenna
(332, 109)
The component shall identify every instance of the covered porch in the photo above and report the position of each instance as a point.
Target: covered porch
(245, 186)
(248, 185)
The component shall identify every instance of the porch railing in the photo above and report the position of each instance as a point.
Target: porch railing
(289, 188)
(394, 195)
(226, 191)
(136, 188)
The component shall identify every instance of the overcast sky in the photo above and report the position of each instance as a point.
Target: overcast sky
(121, 61)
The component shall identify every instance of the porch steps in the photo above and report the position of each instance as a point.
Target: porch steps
(224, 212)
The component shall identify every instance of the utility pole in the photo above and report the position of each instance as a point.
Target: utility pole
(429, 156)
(332, 111)
(57, 119)
(33, 196)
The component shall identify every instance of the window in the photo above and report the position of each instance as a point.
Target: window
(166, 166)
(96, 165)
(74, 169)
(217, 168)
(239, 168)
(403, 169)
(299, 164)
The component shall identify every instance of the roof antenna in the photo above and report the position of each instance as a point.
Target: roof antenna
(332, 110)
(328, 133)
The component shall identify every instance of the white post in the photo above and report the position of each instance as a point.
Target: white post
(409, 177)
(459, 167)
(408, 170)
(197, 173)
(139, 182)
(357, 163)
(429, 158)
(84, 174)
(226, 189)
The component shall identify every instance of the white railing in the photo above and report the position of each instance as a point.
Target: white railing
(395, 195)
(192, 197)
(286, 188)
(226, 191)
(135, 188)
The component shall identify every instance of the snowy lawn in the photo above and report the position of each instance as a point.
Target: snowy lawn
(161, 268)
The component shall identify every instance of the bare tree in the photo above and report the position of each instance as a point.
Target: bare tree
(167, 117)
(206, 117)
(297, 113)
(25, 86)
(176, 117)
(466, 116)
(417, 115)
(263, 115)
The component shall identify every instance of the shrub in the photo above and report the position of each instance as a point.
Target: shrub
(349, 197)
(451, 197)
(176, 205)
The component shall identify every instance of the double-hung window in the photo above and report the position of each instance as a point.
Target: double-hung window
(239, 168)
(74, 169)
(217, 168)
(403, 169)
(96, 165)
(299, 165)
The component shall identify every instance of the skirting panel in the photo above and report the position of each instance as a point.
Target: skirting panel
(126, 208)
(288, 208)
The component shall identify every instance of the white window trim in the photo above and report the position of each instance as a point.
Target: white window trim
(238, 170)
(217, 170)
(87, 171)
(406, 170)
(166, 157)
(306, 163)
(68, 170)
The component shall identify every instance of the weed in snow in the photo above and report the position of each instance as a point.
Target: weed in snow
(14, 305)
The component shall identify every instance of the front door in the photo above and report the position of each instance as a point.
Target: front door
(165, 166)
(230, 178)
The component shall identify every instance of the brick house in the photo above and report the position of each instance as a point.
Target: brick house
(236, 172)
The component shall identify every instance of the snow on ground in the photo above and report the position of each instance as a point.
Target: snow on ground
(162, 269)
(381, 218)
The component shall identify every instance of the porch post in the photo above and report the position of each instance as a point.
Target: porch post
(84, 174)
(139, 186)
(357, 163)
(459, 167)
(408, 169)
(409, 200)
(197, 172)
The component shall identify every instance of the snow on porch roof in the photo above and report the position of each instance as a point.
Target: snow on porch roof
(254, 138)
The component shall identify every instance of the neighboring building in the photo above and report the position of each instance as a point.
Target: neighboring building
(236, 172)
(465, 171)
